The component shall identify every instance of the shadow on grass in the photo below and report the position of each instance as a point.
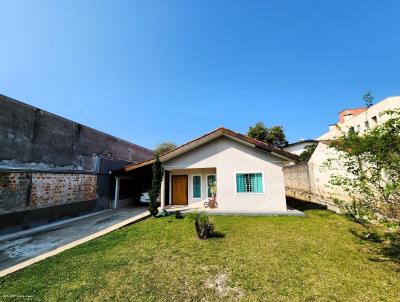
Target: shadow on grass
(217, 235)
(386, 245)
(304, 205)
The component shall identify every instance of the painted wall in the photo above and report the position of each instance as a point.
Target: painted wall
(359, 122)
(229, 157)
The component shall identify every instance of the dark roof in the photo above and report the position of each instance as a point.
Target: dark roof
(211, 136)
(302, 141)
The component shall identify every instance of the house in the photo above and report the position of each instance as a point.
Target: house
(248, 173)
(311, 181)
(298, 147)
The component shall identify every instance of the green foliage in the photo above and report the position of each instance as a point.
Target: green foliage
(155, 189)
(371, 161)
(164, 147)
(368, 99)
(307, 152)
(274, 135)
(203, 223)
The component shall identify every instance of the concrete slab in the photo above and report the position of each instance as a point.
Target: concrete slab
(289, 212)
(18, 253)
(46, 227)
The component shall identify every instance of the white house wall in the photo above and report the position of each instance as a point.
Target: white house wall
(230, 157)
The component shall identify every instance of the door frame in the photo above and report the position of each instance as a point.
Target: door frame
(172, 189)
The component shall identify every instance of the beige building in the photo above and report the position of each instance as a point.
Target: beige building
(247, 173)
(310, 181)
(360, 119)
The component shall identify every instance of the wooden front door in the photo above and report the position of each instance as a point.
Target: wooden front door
(179, 189)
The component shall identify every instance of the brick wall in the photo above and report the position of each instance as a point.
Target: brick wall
(31, 190)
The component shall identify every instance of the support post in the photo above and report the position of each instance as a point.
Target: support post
(162, 192)
(116, 196)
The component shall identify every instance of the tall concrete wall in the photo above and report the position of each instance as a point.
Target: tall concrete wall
(47, 161)
(36, 139)
(301, 182)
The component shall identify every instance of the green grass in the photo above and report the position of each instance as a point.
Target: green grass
(316, 258)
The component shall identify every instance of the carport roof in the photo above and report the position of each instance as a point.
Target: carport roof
(209, 137)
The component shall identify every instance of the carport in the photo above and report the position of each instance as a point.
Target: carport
(130, 184)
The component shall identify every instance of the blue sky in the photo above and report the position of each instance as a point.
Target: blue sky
(150, 71)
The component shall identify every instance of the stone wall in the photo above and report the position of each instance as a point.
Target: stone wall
(21, 191)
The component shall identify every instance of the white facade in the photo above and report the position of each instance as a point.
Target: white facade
(318, 174)
(226, 157)
(298, 148)
(359, 123)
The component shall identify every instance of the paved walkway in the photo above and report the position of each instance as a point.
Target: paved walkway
(18, 253)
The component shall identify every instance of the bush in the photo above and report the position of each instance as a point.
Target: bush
(204, 224)
(154, 192)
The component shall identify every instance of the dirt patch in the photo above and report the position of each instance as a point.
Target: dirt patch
(220, 284)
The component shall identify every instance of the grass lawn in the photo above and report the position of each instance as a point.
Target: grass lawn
(316, 258)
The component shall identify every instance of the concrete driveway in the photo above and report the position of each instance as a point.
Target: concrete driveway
(17, 251)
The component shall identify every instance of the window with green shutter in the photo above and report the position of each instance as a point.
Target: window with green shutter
(196, 186)
(249, 183)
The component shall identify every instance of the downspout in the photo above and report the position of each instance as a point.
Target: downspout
(116, 197)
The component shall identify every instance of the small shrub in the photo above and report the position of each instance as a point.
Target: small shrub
(204, 224)
(178, 215)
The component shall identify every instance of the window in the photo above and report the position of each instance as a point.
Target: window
(351, 129)
(375, 119)
(358, 128)
(249, 183)
(196, 186)
(210, 181)
(366, 124)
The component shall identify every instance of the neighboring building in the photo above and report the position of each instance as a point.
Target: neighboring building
(52, 167)
(298, 147)
(360, 119)
(247, 172)
(310, 181)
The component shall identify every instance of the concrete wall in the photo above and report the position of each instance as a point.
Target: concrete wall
(229, 157)
(48, 161)
(310, 181)
(36, 139)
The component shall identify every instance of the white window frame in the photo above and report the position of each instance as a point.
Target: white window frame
(249, 172)
(215, 174)
(201, 186)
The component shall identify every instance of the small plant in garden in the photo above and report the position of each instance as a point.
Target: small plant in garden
(204, 224)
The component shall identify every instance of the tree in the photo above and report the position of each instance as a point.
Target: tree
(258, 132)
(307, 152)
(155, 189)
(371, 161)
(368, 99)
(274, 136)
(164, 147)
